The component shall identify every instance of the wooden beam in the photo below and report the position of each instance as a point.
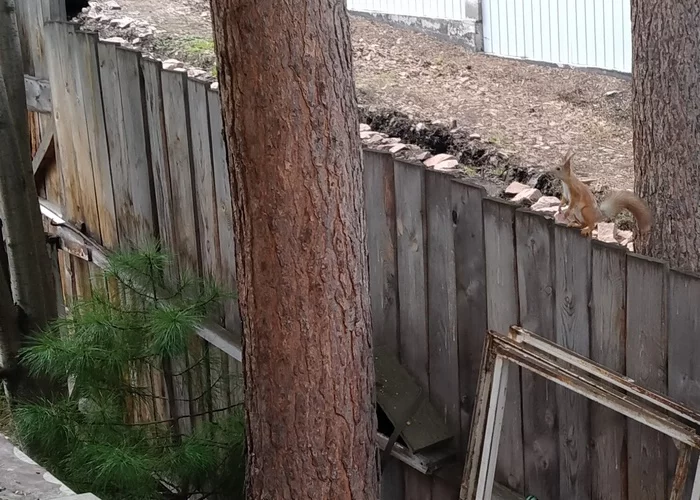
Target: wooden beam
(44, 155)
(72, 240)
(38, 94)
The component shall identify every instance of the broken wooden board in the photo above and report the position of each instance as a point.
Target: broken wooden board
(397, 392)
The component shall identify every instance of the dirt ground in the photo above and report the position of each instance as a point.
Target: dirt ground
(534, 113)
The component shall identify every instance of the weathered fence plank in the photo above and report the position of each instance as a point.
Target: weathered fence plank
(231, 369)
(535, 256)
(470, 278)
(160, 163)
(442, 308)
(502, 306)
(608, 334)
(411, 264)
(572, 263)
(381, 246)
(647, 343)
(683, 347)
(98, 203)
(380, 209)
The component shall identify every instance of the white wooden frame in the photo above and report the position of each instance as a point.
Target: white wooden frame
(576, 373)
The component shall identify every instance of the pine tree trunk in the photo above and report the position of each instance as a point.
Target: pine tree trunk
(23, 233)
(666, 118)
(295, 161)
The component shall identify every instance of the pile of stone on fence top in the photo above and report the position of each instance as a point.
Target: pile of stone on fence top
(526, 195)
(382, 142)
(107, 19)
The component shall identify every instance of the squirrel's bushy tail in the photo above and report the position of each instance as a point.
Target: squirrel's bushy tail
(620, 200)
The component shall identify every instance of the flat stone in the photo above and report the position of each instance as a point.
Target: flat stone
(515, 188)
(422, 156)
(170, 64)
(364, 127)
(529, 194)
(447, 165)
(392, 140)
(606, 232)
(112, 5)
(115, 39)
(366, 134)
(546, 203)
(195, 73)
(375, 138)
(623, 237)
(214, 86)
(122, 23)
(474, 137)
(431, 162)
(396, 148)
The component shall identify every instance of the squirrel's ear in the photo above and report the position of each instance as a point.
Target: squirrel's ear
(567, 160)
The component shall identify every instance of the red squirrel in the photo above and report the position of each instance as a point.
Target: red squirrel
(584, 208)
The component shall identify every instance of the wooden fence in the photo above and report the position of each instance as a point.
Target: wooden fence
(141, 153)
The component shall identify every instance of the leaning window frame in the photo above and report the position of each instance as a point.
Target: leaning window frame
(580, 375)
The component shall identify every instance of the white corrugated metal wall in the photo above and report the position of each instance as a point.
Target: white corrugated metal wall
(592, 33)
(435, 9)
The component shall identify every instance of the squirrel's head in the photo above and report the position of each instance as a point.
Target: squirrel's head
(563, 171)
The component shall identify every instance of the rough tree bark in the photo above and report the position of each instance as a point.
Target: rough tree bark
(30, 276)
(666, 118)
(291, 125)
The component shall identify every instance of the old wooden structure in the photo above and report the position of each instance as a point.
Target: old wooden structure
(139, 152)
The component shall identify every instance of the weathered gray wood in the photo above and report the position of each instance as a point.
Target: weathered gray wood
(647, 342)
(683, 348)
(608, 335)
(442, 308)
(98, 203)
(140, 221)
(69, 120)
(160, 168)
(535, 255)
(442, 298)
(571, 296)
(44, 155)
(120, 70)
(177, 122)
(232, 383)
(207, 216)
(413, 301)
(380, 209)
(470, 276)
(38, 94)
(503, 312)
(224, 207)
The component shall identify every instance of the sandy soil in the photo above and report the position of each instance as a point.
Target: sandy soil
(534, 113)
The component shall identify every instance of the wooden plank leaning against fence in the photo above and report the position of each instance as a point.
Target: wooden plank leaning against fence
(142, 153)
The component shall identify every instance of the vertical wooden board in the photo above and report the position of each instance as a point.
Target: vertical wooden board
(177, 122)
(535, 259)
(646, 353)
(571, 296)
(137, 212)
(392, 481)
(380, 209)
(683, 347)
(68, 121)
(442, 308)
(608, 338)
(96, 179)
(470, 279)
(183, 212)
(502, 306)
(114, 127)
(207, 215)
(224, 208)
(160, 170)
(409, 181)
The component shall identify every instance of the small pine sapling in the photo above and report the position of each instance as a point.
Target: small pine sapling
(113, 434)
